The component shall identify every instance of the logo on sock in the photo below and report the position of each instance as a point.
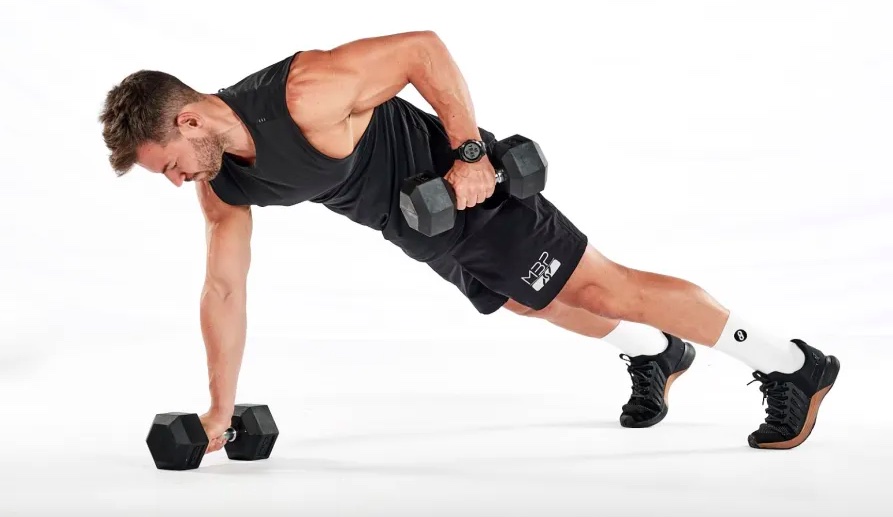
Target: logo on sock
(740, 335)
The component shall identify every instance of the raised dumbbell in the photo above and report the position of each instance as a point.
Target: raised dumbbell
(177, 441)
(428, 201)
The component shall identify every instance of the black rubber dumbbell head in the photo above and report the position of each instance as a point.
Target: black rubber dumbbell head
(256, 433)
(428, 204)
(177, 441)
(523, 164)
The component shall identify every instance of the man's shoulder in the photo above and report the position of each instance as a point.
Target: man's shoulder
(274, 74)
(226, 186)
(214, 207)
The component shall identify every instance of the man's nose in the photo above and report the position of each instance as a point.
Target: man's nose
(176, 178)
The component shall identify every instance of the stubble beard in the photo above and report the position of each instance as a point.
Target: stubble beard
(209, 154)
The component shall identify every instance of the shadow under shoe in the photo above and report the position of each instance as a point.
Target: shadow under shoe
(652, 376)
(793, 400)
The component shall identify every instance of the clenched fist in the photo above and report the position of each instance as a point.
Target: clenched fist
(215, 425)
(472, 183)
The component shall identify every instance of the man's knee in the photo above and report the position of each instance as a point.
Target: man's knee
(606, 303)
(604, 288)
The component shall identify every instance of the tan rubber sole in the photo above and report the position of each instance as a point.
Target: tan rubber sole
(670, 380)
(811, 416)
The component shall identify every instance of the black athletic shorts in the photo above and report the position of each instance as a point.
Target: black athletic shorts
(523, 249)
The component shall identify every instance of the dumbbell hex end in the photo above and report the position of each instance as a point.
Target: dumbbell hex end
(428, 204)
(256, 430)
(524, 164)
(177, 441)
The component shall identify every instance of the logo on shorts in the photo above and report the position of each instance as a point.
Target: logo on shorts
(541, 271)
(740, 335)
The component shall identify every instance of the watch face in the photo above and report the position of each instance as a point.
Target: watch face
(472, 151)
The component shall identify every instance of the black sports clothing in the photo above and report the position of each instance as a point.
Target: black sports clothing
(524, 249)
(364, 186)
(499, 249)
(652, 376)
(794, 400)
(287, 169)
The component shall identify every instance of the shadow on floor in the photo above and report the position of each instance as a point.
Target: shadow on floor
(387, 436)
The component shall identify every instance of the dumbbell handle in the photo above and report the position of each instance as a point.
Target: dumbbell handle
(229, 435)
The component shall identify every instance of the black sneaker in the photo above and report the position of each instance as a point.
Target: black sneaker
(652, 376)
(794, 400)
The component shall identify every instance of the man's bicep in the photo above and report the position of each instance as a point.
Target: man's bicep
(359, 75)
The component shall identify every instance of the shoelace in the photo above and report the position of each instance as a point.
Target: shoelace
(777, 395)
(642, 376)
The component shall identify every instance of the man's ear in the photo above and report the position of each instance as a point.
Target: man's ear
(189, 121)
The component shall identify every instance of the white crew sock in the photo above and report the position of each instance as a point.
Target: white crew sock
(636, 339)
(761, 351)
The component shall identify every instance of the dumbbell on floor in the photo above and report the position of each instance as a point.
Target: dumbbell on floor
(428, 202)
(177, 441)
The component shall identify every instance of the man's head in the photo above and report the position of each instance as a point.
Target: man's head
(154, 120)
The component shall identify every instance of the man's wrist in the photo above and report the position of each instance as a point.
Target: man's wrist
(457, 139)
(222, 408)
(221, 413)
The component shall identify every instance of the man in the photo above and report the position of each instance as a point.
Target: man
(327, 127)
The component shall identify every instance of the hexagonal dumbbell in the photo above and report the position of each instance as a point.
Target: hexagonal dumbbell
(177, 441)
(428, 202)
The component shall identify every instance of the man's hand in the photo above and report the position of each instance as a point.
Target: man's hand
(472, 182)
(215, 423)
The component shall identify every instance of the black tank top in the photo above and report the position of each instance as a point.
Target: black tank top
(401, 140)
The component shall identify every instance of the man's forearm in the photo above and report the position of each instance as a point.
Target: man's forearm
(439, 81)
(223, 322)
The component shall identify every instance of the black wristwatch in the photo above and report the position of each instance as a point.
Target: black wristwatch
(470, 151)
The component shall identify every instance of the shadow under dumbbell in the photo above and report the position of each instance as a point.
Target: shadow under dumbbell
(464, 467)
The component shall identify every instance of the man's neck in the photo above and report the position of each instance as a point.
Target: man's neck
(231, 129)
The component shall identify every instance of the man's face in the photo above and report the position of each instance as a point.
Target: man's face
(183, 159)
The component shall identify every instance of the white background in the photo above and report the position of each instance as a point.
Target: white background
(744, 146)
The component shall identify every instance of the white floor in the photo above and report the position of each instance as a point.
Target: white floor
(555, 450)
(393, 397)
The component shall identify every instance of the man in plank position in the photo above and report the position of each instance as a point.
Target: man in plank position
(326, 126)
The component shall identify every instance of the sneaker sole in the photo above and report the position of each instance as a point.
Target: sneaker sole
(688, 357)
(829, 376)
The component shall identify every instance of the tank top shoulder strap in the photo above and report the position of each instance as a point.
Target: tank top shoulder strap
(260, 96)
